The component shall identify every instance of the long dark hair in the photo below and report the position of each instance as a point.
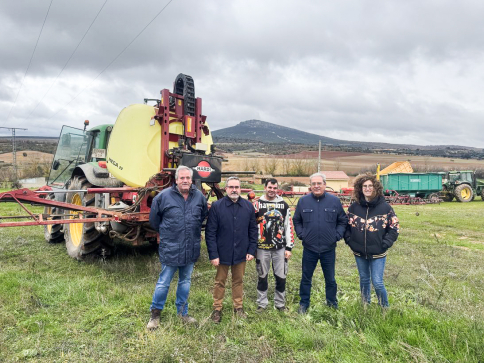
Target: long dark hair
(358, 185)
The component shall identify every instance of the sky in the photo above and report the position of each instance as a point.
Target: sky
(365, 70)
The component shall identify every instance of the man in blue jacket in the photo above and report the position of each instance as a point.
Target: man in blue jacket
(177, 213)
(320, 222)
(231, 236)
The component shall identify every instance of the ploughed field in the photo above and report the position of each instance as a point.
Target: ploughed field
(57, 309)
(350, 162)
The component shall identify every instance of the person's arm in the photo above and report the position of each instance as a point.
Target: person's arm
(155, 217)
(341, 223)
(392, 230)
(204, 209)
(288, 233)
(211, 233)
(298, 222)
(253, 234)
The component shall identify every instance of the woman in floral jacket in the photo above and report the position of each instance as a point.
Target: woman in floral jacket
(372, 229)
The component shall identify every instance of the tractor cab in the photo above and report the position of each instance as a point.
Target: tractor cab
(77, 147)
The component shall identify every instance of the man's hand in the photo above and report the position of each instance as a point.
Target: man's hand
(215, 262)
(287, 254)
(249, 257)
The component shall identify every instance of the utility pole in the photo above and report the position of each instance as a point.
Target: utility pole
(319, 158)
(14, 149)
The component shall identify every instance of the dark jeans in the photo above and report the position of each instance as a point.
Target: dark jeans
(309, 262)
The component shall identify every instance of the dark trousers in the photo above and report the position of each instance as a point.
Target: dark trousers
(309, 262)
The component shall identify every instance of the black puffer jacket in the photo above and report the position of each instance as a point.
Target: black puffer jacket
(372, 228)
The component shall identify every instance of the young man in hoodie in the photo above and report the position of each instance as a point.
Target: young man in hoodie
(274, 245)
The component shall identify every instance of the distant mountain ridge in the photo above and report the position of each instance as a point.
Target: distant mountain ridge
(269, 133)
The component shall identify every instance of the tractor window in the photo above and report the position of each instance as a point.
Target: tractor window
(71, 151)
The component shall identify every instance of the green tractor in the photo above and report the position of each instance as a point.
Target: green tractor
(76, 167)
(463, 185)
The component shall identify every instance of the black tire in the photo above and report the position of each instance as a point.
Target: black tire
(482, 194)
(448, 197)
(53, 233)
(434, 196)
(83, 239)
(463, 193)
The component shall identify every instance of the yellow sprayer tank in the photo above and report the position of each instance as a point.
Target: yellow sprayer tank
(134, 148)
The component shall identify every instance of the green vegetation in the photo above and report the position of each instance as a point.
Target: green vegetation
(55, 309)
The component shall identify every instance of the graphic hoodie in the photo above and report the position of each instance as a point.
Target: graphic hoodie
(275, 224)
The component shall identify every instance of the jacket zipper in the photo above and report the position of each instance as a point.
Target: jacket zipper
(366, 226)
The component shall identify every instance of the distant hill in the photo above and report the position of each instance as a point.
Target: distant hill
(268, 133)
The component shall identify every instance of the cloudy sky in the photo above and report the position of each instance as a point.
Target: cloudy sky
(392, 71)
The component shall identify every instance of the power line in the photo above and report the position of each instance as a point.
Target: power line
(65, 65)
(110, 63)
(14, 149)
(31, 57)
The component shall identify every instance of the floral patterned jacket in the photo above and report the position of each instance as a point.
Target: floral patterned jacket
(372, 229)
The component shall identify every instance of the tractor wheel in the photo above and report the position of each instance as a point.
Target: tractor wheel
(448, 197)
(482, 194)
(434, 196)
(82, 238)
(463, 193)
(53, 233)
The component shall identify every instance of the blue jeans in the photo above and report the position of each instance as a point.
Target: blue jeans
(372, 269)
(309, 262)
(182, 291)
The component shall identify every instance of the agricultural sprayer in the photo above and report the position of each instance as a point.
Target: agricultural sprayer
(102, 181)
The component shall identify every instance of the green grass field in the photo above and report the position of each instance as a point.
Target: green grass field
(55, 309)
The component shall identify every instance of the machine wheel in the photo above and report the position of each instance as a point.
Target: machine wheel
(82, 238)
(463, 193)
(482, 194)
(53, 233)
(434, 196)
(448, 197)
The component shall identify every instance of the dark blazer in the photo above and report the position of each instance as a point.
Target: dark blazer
(179, 223)
(231, 231)
(320, 222)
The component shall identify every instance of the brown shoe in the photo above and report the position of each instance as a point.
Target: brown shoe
(216, 316)
(187, 319)
(154, 322)
(240, 313)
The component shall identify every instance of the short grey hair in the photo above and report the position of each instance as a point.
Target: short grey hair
(183, 167)
(231, 178)
(321, 175)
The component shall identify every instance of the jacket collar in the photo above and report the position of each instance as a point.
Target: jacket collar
(278, 198)
(372, 203)
(320, 197)
(228, 201)
(192, 188)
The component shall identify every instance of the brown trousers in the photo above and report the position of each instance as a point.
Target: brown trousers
(237, 285)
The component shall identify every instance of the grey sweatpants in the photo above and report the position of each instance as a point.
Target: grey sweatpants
(279, 266)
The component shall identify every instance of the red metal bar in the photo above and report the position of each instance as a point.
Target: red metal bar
(26, 195)
(111, 190)
(163, 118)
(198, 119)
(57, 221)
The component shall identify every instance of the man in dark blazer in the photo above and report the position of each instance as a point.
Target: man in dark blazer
(231, 236)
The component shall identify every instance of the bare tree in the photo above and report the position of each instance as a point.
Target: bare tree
(271, 165)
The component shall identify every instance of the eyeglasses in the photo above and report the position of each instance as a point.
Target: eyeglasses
(367, 186)
(233, 187)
